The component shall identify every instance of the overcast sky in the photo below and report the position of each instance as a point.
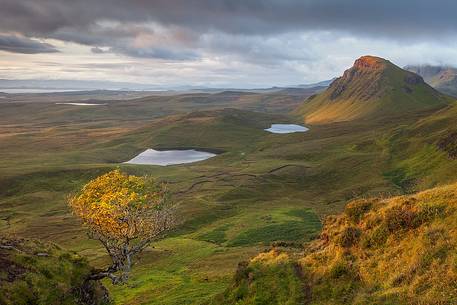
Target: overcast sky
(219, 43)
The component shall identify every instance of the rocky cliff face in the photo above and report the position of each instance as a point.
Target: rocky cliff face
(367, 77)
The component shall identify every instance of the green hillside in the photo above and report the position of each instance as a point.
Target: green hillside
(423, 154)
(372, 88)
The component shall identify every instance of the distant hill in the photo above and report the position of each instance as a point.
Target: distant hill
(371, 88)
(400, 250)
(302, 91)
(49, 85)
(72, 84)
(324, 83)
(441, 78)
(212, 130)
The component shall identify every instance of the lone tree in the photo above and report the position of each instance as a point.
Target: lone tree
(125, 213)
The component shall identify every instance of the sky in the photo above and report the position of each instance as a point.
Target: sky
(218, 43)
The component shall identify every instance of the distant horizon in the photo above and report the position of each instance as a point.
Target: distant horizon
(69, 85)
(121, 86)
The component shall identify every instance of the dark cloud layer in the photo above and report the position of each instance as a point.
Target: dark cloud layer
(159, 53)
(81, 21)
(388, 17)
(18, 44)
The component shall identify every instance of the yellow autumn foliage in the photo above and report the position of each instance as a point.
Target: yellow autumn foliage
(119, 206)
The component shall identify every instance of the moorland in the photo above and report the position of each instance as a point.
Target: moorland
(396, 136)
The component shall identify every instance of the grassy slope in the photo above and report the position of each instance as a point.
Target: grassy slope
(421, 153)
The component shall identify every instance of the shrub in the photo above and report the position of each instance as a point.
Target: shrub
(401, 218)
(429, 212)
(357, 208)
(376, 238)
(286, 244)
(349, 237)
(242, 271)
(339, 269)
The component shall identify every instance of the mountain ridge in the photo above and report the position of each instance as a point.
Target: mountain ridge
(442, 78)
(372, 87)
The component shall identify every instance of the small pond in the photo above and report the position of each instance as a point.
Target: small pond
(170, 157)
(286, 128)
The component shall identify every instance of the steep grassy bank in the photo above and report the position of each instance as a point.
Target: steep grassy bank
(388, 251)
(400, 250)
(422, 155)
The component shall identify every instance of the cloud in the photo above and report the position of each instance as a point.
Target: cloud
(241, 42)
(166, 29)
(389, 17)
(97, 50)
(156, 53)
(18, 44)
